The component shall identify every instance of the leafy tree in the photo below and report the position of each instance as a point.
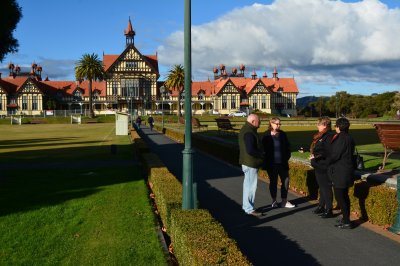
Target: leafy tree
(89, 67)
(176, 81)
(10, 14)
(382, 103)
(396, 101)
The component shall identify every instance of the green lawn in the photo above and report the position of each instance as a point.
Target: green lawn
(66, 199)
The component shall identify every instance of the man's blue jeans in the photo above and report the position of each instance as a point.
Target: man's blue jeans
(249, 188)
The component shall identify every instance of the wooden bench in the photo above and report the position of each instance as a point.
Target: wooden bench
(225, 125)
(388, 134)
(196, 124)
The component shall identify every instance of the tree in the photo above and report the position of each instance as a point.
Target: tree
(89, 67)
(10, 14)
(176, 81)
(396, 101)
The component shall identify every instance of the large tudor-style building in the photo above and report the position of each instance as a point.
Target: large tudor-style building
(131, 84)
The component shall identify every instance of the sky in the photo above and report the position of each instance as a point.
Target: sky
(326, 45)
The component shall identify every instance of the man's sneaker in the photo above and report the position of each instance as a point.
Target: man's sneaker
(287, 205)
(274, 204)
(255, 214)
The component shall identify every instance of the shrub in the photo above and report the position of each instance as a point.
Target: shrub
(198, 239)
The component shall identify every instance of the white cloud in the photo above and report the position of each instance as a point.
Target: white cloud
(308, 37)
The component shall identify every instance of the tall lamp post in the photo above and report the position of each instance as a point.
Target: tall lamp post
(162, 91)
(189, 191)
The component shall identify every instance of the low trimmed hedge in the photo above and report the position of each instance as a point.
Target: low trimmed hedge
(374, 202)
(197, 238)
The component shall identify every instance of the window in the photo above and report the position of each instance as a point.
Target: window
(224, 102)
(254, 100)
(24, 102)
(1, 104)
(131, 64)
(77, 95)
(130, 87)
(263, 102)
(233, 102)
(34, 102)
(114, 87)
(183, 95)
(289, 105)
(95, 96)
(200, 97)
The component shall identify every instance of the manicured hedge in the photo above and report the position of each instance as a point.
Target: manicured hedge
(376, 203)
(197, 238)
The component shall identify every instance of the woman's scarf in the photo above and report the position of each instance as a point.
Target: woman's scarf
(317, 136)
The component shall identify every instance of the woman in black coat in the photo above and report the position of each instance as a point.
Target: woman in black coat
(319, 160)
(277, 154)
(341, 168)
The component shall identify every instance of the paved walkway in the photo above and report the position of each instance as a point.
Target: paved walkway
(282, 236)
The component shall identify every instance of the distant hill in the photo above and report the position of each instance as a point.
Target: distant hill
(304, 101)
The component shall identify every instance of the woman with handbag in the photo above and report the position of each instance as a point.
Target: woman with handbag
(319, 150)
(341, 169)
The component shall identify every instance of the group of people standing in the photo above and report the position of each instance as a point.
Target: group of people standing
(331, 156)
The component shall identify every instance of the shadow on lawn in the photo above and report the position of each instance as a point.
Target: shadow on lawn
(29, 142)
(58, 175)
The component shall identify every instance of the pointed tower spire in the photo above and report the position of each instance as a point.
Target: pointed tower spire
(129, 33)
(275, 74)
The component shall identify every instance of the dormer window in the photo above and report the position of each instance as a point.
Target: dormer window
(77, 95)
(200, 96)
(96, 96)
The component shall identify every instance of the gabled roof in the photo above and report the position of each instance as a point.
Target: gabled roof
(14, 85)
(110, 60)
(242, 84)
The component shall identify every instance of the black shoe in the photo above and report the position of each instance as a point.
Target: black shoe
(344, 226)
(319, 210)
(327, 214)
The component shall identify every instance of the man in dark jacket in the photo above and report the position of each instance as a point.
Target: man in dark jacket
(250, 157)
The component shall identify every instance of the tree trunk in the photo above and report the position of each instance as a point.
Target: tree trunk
(91, 113)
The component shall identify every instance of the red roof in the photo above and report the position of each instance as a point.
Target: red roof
(241, 83)
(13, 85)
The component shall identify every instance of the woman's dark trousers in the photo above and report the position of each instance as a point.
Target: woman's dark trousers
(278, 169)
(325, 189)
(343, 200)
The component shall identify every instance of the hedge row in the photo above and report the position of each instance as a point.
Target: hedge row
(374, 202)
(197, 238)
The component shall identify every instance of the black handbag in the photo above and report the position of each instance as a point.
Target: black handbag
(358, 161)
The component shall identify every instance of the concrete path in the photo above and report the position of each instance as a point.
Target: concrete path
(282, 236)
